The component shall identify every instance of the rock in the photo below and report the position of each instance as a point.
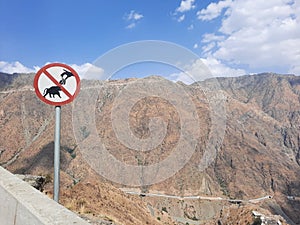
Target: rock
(37, 182)
(190, 212)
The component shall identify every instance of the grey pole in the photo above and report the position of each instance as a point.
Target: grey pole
(57, 154)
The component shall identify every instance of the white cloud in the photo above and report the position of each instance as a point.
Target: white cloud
(207, 48)
(212, 37)
(191, 27)
(130, 26)
(132, 18)
(15, 67)
(186, 5)
(218, 69)
(88, 71)
(134, 15)
(85, 71)
(195, 46)
(205, 68)
(181, 18)
(260, 34)
(213, 10)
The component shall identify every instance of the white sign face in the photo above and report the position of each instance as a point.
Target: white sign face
(57, 84)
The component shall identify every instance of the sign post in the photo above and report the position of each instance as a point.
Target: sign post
(56, 154)
(57, 84)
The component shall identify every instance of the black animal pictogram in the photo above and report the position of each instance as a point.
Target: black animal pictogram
(52, 91)
(64, 76)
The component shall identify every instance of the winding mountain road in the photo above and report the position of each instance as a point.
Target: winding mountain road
(196, 197)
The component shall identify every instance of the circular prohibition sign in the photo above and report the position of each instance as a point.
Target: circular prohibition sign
(56, 84)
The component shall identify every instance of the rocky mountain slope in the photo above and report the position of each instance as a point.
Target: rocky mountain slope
(258, 156)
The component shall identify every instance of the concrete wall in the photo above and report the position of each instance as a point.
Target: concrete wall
(21, 204)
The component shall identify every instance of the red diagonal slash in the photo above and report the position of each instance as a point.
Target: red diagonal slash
(57, 83)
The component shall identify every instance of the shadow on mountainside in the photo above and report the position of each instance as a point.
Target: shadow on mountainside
(16, 80)
(42, 161)
(5, 80)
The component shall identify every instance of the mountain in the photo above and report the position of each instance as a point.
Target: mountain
(241, 155)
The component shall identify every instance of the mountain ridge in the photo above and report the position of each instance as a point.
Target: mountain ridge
(259, 154)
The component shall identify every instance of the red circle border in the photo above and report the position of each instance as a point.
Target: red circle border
(39, 73)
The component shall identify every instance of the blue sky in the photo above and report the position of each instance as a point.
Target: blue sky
(232, 37)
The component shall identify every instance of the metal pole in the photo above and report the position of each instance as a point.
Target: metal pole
(57, 154)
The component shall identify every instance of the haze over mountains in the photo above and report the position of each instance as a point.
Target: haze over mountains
(258, 156)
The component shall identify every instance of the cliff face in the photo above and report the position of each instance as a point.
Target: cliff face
(258, 156)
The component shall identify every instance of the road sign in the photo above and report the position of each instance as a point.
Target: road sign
(57, 84)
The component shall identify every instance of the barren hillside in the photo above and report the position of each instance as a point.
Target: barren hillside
(258, 156)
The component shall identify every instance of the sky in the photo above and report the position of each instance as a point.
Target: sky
(231, 37)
